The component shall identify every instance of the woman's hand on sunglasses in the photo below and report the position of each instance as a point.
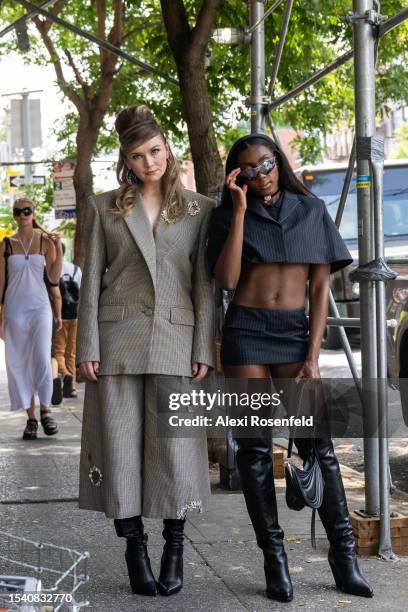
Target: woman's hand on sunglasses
(238, 194)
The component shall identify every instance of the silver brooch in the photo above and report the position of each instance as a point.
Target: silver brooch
(193, 208)
(165, 217)
(95, 476)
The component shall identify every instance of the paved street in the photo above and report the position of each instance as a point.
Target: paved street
(223, 566)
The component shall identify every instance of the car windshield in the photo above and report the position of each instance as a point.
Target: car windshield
(327, 185)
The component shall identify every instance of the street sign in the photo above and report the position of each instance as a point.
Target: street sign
(65, 213)
(64, 192)
(18, 181)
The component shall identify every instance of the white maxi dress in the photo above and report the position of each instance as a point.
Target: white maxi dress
(27, 331)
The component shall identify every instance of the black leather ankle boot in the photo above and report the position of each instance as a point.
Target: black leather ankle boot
(140, 572)
(171, 568)
(335, 518)
(255, 467)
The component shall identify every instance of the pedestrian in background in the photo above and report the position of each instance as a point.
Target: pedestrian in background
(56, 304)
(26, 315)
(64, 343)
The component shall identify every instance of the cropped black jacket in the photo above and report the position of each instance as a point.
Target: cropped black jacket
(305, 233)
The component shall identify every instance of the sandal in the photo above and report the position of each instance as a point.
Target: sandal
(49, 425)
(30, 432)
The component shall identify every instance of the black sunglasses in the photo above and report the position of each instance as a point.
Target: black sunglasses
(265, 168)
(26, 211)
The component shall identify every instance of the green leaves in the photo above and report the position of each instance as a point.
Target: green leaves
(317, 35)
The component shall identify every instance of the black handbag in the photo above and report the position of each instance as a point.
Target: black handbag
(304, 487)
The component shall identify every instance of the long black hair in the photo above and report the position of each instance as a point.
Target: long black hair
(288, 181)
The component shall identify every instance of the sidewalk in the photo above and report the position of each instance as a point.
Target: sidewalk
(223, 566)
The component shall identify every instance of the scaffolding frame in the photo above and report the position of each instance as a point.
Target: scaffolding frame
(372, 273)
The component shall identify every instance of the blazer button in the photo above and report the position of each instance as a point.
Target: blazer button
(148, 311)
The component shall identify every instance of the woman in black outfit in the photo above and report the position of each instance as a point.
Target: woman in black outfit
(267, 240)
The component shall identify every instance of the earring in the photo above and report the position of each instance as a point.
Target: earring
(130, 177)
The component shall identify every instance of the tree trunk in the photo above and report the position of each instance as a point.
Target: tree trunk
(87, 137)
(208, 168)
(188, 46)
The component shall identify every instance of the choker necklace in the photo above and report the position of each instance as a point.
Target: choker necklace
(268, 198)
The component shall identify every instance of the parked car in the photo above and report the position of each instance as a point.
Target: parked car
(326, 182)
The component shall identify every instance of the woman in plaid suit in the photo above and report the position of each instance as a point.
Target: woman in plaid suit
(146, 310)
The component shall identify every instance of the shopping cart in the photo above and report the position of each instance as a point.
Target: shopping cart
(52, 576)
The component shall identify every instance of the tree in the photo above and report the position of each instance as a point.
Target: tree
(91, 101)
(86, 76)
(209, 98)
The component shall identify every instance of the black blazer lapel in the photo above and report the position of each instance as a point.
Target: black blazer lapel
(141, 231)
(289, 204)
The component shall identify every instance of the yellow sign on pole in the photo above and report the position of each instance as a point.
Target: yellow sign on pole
(10, 173)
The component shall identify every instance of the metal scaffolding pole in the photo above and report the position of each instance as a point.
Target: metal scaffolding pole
(332, 303)
(385, 548)
(364, 43)
(281, 44)
(276, 64)
(266, 14)
(257, 99)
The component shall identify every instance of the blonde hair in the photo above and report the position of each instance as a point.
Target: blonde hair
(36, 225)
(134, 126)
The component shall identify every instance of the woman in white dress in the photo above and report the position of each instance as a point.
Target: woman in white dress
(26, 317)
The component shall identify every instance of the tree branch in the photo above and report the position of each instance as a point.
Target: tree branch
(115, 37)
(101, 14)
(176, 24)
(78, 75)
(66, 88)
(55, 10)
(102, 98)
(204, 23)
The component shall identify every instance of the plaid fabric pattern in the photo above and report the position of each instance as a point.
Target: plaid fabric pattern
(146, 303)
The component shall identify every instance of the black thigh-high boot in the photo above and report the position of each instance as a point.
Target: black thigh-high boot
(255, 467)
(335, 518)
(171, 568)
(140, 572)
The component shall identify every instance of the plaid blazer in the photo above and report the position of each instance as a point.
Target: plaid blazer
(146, 302)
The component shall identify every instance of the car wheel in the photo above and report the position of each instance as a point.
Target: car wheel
(332, 338)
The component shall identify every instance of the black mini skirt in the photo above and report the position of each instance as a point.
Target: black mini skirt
(254, 336)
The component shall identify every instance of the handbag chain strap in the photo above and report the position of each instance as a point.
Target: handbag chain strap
(292, 431)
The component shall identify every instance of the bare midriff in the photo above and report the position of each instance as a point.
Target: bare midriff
(278, 286)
